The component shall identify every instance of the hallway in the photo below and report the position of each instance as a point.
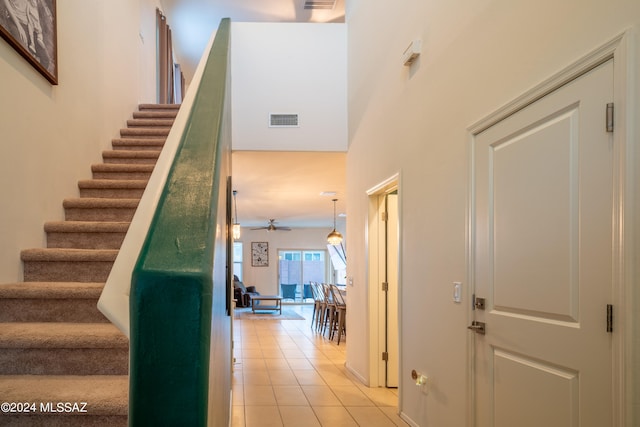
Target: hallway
(287, 375)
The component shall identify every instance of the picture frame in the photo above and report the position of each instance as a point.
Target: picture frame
(259, 254)
(30, 27)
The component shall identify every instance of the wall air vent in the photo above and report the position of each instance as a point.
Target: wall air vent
(283, 120)
(319, 4)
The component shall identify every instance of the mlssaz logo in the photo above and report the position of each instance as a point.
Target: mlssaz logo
(66, 407)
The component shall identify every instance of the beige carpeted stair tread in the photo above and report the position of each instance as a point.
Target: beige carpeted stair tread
(51, 290)
(112, 184)
(138, 143)
(68, 255)
(104, 394)
(144, 132)
(86, 227)
(150, 122)
(121, 167)
(142, 107)
(96, 202)
(131, 154)
(61, 335)
(157, 114)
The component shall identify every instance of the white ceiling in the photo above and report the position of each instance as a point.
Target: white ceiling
(193, 21)
(283, 185)
(287, 186)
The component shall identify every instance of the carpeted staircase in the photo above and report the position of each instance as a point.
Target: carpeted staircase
(56, 348)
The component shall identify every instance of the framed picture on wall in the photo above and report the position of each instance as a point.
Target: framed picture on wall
(29, 26)
(259, 254)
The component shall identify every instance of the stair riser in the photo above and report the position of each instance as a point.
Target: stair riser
(63, 420)
(85, 240)
(63, 271)
(112, 193)
(51, 310)
(68, 361)
(99, 214)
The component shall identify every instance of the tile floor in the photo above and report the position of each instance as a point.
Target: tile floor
(287, 375)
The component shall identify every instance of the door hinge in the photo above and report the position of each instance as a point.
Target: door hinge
(384, 216)
(385, 356)
(609, 318)
(610, 117)
(385, 286)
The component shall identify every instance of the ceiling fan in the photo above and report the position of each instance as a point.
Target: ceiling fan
(272, 227)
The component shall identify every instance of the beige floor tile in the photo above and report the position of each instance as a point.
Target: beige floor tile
(252, 353)
(287, 395)
(351, 395)
(293, 353)
(334, 416)
(237, 377)
(300, 364)
(255, 364)
(381, 396)
(237, 395)
(288, 374)
(308, 377)
(237, 416)
(282, 377)
(273, 353)
(335, 378)
(392, 414)
(262, 416)
(370, 416)
(256, 378)
(320, 396)
(298, 416)
(259, 395)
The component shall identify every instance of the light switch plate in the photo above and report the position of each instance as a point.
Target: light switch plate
(457, 292)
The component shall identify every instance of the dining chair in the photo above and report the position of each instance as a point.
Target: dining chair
(288, 291)
(327, 309)
(340, 313)
(317, 302)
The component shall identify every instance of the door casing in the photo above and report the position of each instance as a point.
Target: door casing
(377, 367)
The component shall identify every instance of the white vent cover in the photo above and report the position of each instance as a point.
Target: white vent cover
(319, 4)
(283, 120)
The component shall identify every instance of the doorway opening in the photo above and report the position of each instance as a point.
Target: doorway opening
(384, 284)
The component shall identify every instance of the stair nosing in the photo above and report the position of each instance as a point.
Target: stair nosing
(97, 202)
(86, 226)
(68, 255)
(51, 290)
(61, 335)
(111, 184)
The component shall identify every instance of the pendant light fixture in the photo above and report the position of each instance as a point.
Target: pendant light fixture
(334, 238)
(236, 224)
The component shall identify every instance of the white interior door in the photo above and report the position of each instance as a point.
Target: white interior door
(542, 257)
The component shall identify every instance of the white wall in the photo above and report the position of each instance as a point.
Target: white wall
(52, 134)
(476, 57)
(289, 68)
(265, 279)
